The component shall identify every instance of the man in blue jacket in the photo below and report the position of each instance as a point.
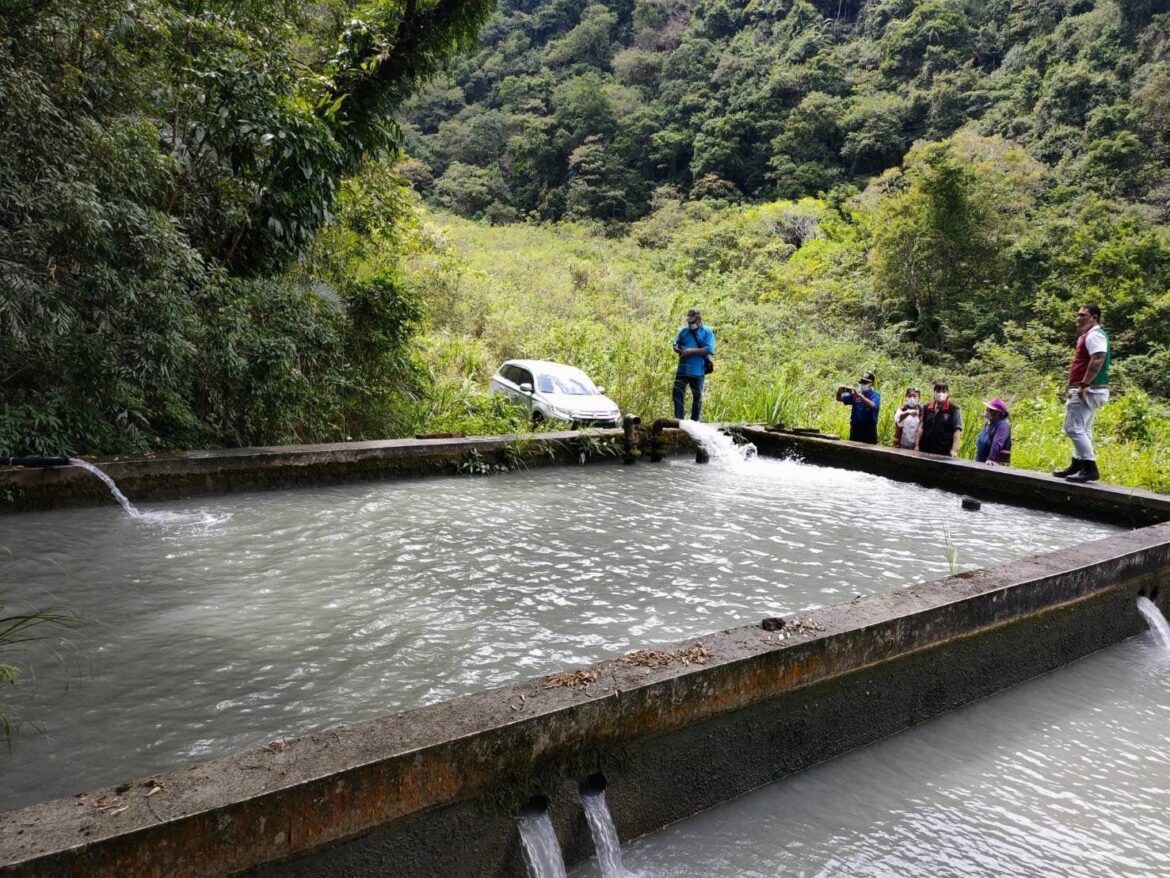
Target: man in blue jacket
(866, 404)
(694, 346)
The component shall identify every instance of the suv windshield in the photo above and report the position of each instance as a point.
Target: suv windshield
(574, 385)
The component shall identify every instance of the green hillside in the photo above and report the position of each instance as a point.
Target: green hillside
(976, 170)
(788, 332)
(248, 222)
(580, 110)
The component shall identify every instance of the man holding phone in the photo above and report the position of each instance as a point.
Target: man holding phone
(694, 346)
(866, 404)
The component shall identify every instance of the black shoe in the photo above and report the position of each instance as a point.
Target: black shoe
(1088, 472)
(1074, 467)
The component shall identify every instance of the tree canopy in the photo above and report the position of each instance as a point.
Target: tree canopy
(992, 157)
(163, 165)
(790, 97)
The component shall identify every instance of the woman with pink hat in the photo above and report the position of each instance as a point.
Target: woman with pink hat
(994, 445)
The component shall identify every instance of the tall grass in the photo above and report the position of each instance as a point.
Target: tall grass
(571, 294)
(18, 631)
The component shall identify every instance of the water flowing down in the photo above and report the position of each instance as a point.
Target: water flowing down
(1061, 775)
(721, 448)
(542, 851)
(605, 837)
(1156, 621)
(118, 495)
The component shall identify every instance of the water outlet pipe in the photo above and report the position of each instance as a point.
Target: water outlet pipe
(31, 462)
(630, 424)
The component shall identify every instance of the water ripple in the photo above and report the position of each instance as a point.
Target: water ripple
(256, 616)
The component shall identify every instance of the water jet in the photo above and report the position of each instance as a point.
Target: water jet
(129, 507)
(1157, 622)
(542, 851)
(606, 843)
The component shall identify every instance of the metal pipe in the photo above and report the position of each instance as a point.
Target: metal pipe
(35, 461)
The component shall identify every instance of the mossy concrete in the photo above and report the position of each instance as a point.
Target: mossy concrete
(434, 791)
(199, 473)
(225, 471)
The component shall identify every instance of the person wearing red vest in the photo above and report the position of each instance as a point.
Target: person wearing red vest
(1088, 390)
(941, 430)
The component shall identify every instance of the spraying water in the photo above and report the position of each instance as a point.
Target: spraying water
(605, 837)
(118, 495)
(542, 851)
(720, 447)
(1156, 621)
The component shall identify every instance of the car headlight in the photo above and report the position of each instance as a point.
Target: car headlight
(561, 413)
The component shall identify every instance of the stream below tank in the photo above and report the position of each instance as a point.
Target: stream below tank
(1067, 774)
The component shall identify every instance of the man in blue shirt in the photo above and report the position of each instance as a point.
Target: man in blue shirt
(694, 346)
(866, 403)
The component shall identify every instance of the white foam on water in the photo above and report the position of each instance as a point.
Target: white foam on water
(721, 448)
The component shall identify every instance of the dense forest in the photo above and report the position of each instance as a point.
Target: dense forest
(586, 110)
(1048, 182)
(230, 223)
(165, 169)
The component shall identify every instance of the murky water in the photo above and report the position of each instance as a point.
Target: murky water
(1067, 775)
(226, 623)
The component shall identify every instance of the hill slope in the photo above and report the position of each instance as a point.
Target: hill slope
(582, 110)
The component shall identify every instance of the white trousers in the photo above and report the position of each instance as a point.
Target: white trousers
(1078, 419)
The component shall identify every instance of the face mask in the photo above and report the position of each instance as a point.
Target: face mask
(912, 402)
(865, 385)
(940, 397)
(987, 416)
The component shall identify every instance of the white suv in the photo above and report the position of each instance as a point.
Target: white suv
(555, 392)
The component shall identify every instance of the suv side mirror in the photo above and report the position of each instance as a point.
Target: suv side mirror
(601, 391)
(526, 387)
